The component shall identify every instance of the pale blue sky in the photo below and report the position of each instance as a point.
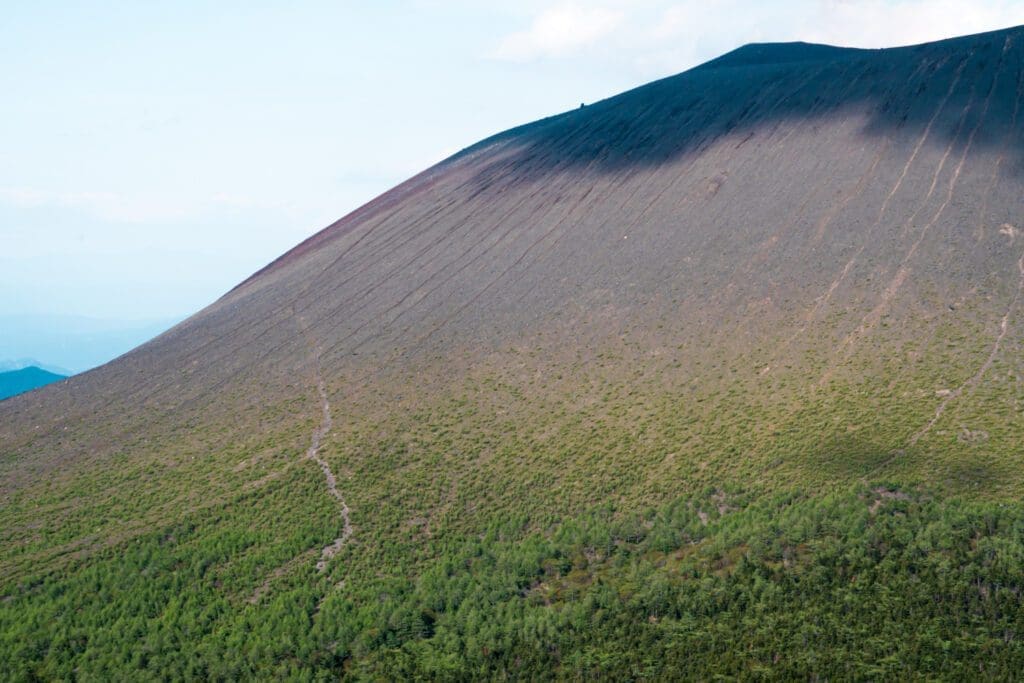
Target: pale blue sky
(154, 154)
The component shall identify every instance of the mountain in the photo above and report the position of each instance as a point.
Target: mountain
(719, 376)
(25, 379)
(20, 363)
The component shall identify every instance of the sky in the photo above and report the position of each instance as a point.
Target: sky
(153, 155)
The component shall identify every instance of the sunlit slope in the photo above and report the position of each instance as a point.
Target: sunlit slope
(793, 267)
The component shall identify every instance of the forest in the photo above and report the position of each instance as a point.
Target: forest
(866, 583)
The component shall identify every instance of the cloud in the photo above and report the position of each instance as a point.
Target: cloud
(559, 31)
(885, 23)
(654, 38)
(855, 23)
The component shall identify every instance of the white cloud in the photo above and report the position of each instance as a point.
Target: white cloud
(559, 31)
(660, 37)
(854, 23)
(887, 23)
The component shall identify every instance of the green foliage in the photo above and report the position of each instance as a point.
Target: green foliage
(877, 583)
(554, 518)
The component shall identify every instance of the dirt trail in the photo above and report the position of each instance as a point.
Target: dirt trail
(313, 453)
(971, 383)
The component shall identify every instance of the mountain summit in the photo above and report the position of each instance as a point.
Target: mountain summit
(790, 272)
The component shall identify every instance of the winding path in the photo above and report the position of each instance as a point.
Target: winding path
(971, 383)
(313, 453)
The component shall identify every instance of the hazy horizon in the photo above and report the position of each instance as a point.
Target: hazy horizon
(72, 344)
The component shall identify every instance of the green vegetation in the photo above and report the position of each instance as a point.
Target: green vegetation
(870, 583)
(548, 518)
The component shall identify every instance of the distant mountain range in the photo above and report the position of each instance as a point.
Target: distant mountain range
(14, 382)
(70, 344)
(19, 363)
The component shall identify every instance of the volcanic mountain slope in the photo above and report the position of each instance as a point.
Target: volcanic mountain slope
(793, 268)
